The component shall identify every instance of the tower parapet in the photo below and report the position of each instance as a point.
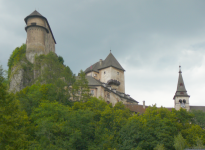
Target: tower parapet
(40, 39)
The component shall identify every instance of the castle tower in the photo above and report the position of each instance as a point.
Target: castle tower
(40, 39)
(181, 98)
(108, 71)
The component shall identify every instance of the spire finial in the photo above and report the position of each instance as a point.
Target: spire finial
(180, 69)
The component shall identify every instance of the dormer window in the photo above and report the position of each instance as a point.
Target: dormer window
(181, 84)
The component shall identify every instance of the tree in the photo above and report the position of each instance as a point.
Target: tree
(156, 125)
(60, 59)
(199, 118)
(60, 127)
(199, 143)
(14, 122)
(179, 142)
(159, 147)
(80, 89)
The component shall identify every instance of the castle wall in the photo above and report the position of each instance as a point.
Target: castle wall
(38, 40)
(118, 75)
(113, 73)
(105, 74)
(35, 42)
(49, 42)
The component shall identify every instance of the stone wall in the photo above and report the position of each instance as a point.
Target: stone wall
(49, 42)
(113, 73)
(35, 43)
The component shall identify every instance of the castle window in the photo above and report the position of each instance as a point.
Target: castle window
(33, 23)
(92, 92)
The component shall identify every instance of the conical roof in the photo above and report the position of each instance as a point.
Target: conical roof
(110, 61)
(181, 90)
(35, 13)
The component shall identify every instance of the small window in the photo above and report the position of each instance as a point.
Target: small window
(118, 73)
(104, 72)
(33, 23)
(181, 84)
(181, 92)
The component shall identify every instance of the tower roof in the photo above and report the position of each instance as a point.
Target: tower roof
(181, 90)
(110, 61)
(35, 13)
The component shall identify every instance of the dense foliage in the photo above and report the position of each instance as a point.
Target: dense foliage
(17, 55)
(45, 117)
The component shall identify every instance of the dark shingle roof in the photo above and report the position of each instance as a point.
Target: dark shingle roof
(110, 61)
(92, 81)
(197, 108)
(37, 14)
(181, 90)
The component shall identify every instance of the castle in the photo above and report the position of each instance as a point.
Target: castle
(105, 77)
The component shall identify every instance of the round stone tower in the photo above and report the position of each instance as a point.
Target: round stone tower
(40, 39)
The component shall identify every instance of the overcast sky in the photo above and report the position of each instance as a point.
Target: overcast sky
(149, 39)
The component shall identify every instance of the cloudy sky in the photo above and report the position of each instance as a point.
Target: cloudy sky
(150, 39)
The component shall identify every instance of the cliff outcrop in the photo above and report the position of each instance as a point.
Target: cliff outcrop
(45, 69)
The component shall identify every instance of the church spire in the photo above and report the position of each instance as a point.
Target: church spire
(181, 90)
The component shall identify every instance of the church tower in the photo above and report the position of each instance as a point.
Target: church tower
(181, 98)
(40, 39)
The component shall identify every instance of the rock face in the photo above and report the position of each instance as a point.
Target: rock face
(16, 83)
(21, 76)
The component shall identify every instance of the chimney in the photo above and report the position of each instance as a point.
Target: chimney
(143, 104)
(100, 62)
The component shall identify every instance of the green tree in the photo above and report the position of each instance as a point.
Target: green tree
(14, 122)
(199, 118)
(60, 59)
(80, 89)
(179, 142)
(159, 147)
(156, 125)
(60, 127)
(199, 143)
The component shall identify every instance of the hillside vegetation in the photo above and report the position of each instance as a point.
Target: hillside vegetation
(44, 117)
